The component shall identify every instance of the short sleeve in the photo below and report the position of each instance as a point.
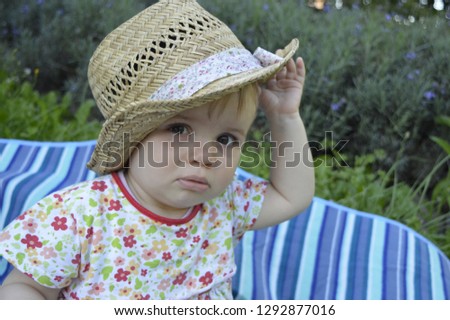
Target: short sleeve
(247, 199)
(43, 243)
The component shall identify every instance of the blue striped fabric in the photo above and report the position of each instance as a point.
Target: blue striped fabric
(327, 252)
(31, 170)
(335, 252)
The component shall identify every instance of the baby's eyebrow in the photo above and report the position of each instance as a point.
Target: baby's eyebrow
(179, 117)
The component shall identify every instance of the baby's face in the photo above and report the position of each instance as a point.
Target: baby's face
(192, 157)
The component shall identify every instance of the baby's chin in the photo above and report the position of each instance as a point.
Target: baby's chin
(189, 199)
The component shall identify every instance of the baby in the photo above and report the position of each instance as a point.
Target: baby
(179, 94)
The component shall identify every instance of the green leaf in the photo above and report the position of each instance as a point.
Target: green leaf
(111, 216)
(121, 222)
(162, 296)
(151, 230)
(59, 246)
(89, 220)
(20, 257)
(152, 264)
(106, 272)
(194, 230)
(116, 243)
(445, 120)
(45, 280)
(138, 284)
(229, 243)
(257, 198)
(178, 243)
(214, 235)
(442, 143)
(93, 203)
(179, 263)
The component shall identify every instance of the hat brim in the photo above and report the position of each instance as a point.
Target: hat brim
(129, 125)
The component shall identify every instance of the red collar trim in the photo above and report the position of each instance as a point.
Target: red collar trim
(149, 213)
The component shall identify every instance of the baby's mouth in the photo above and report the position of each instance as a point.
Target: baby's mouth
(194, 183)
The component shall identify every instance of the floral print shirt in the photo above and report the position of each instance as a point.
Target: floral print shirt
(95, 241)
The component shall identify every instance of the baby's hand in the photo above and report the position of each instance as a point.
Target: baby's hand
(282, 94)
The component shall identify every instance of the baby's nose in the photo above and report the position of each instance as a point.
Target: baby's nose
(208, 154)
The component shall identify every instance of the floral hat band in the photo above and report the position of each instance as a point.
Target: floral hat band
(223, 64)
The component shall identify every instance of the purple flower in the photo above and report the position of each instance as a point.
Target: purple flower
(39, 2)
(266, 7)
(337, 105)
(388, 17)
(429, 95)
(412, 75)
(411, 55)
(25, 9)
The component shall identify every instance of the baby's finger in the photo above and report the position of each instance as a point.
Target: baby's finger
(300, 66)
(281, 74)
(270, 84)
(291, 68)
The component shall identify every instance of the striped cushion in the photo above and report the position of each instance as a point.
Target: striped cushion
(328, 252)
(335, 252)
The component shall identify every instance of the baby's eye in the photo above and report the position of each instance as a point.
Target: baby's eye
(227, 139)
(178, 128)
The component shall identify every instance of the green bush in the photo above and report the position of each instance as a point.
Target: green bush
(372, 81)
(441, 192)
(27, 114)
(58, 37)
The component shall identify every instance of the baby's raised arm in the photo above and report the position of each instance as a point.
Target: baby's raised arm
(291, 186)
(17, 286)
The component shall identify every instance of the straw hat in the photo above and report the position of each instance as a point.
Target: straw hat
(145, 54)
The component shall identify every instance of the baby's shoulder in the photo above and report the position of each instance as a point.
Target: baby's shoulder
(247, 183)
(243, 188)
(85, 191)
(102, 184)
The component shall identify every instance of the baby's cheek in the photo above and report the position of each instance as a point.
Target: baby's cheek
(232, 156)
(223, 178)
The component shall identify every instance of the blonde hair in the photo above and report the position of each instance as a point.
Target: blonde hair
(248, 98)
